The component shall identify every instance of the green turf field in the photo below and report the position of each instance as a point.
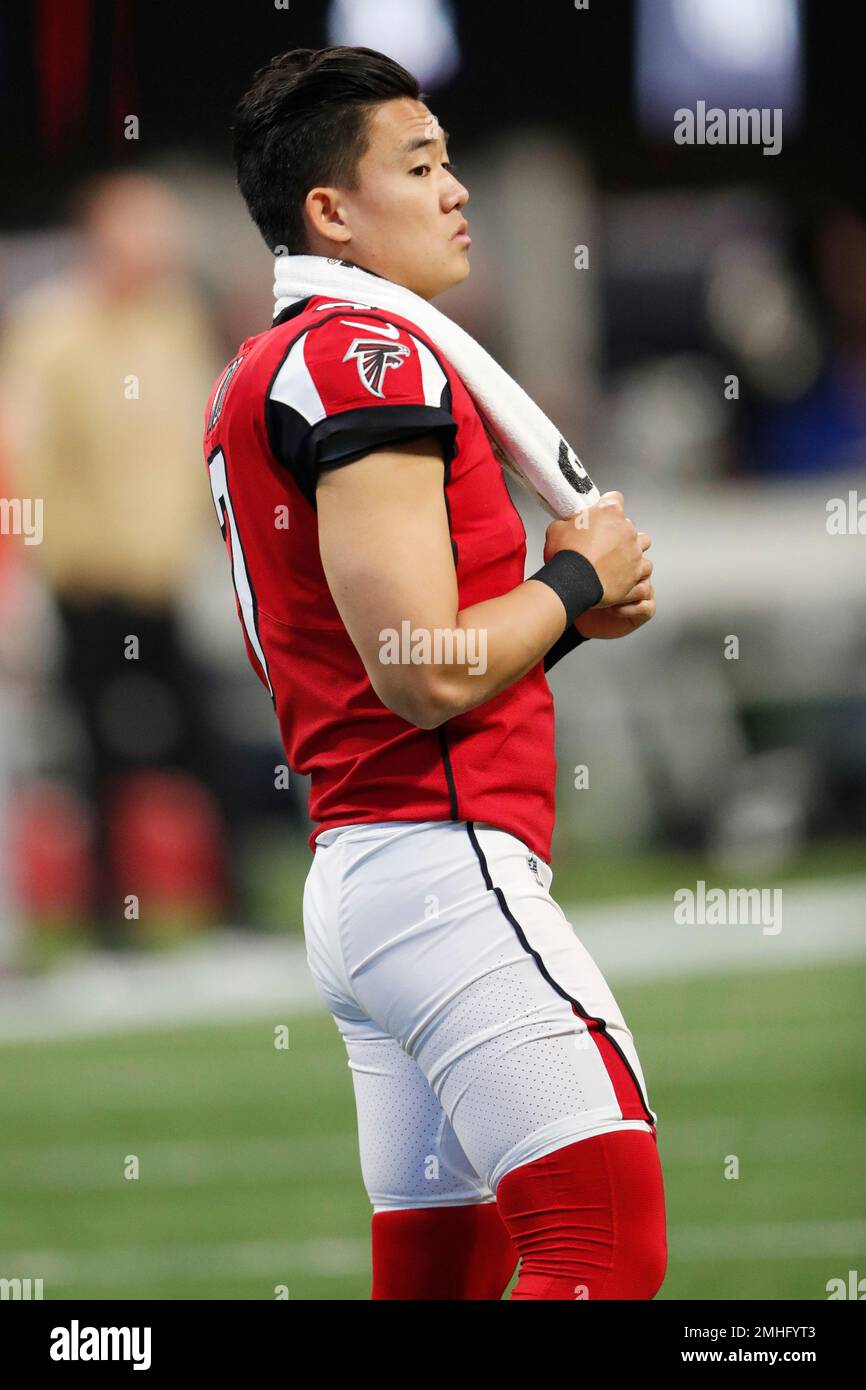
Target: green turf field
(248, 1159)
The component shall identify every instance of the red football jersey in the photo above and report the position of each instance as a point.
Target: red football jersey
(328, 382)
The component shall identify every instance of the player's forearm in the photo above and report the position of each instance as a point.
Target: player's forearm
(494, 644)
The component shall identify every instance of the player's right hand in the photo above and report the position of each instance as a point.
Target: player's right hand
(610, 541)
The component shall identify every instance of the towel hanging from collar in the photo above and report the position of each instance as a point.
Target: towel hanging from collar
(523, 439)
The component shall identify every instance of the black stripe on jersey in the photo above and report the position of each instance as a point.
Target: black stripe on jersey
(339, 439)
(446, 480)
(442, 730)
(449, 771)
(576, 1005)
(291, 311)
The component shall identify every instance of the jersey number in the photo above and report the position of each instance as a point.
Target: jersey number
(243, 588)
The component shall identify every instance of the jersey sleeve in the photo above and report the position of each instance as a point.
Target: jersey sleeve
(350, 385)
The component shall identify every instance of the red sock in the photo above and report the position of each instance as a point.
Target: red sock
(588, 1219)
(441, 1252)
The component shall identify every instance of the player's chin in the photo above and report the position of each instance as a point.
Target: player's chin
(460, 264)
(450, 271)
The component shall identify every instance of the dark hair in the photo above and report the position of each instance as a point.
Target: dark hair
(303, 122)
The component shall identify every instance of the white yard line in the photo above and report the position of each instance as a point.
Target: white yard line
(769, 1240)
(230, 976)
(636, 940)
(110, 1267)
(234, 975)
(168, 1164)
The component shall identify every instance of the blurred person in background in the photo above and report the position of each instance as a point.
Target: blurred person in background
(98, 366)
(822, 430)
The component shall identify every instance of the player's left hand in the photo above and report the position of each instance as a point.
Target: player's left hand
(622, 619)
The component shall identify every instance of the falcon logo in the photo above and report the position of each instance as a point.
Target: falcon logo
(374, 359)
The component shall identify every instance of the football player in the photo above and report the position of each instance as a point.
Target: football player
(378, 563)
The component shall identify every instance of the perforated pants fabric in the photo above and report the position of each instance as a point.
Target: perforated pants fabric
(479, 1031)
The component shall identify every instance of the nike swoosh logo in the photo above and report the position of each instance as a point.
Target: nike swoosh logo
(385, 330)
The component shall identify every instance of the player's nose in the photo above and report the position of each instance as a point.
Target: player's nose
(457, 197)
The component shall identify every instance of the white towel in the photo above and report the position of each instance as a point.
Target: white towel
(521, 436)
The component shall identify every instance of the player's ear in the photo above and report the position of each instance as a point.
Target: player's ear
(325, 213)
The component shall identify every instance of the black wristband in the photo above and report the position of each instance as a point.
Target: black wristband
(574, 579)
(570, 639)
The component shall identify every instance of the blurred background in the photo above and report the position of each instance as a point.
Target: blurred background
(693, 317)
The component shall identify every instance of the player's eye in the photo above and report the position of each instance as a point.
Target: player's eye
(452, 168)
